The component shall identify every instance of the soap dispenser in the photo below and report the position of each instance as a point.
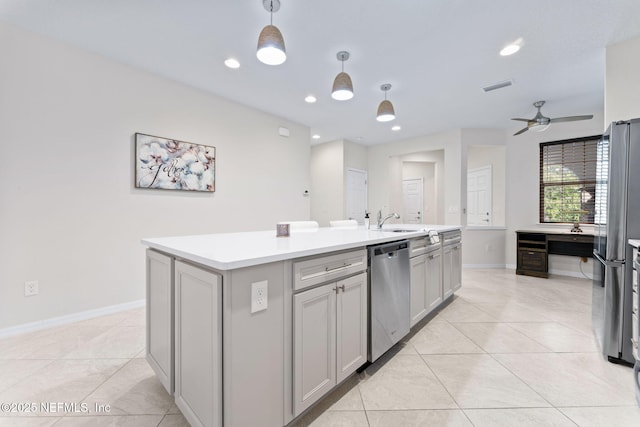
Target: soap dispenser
(366, 220)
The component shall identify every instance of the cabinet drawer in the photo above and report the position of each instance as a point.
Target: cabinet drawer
(532, 260)
(417, 246)
(314, 271)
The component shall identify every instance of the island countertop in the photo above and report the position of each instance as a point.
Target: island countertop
(228, 251)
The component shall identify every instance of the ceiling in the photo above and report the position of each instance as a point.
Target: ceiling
(437, 54)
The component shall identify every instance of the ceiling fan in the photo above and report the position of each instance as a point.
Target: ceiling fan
(540, 122)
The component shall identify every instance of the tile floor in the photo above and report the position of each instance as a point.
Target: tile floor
(507, 351)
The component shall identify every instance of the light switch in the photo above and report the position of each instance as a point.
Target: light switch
(259, 296)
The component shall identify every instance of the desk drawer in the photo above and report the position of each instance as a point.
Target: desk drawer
(314, 271)
(570, 238)
(531, 259)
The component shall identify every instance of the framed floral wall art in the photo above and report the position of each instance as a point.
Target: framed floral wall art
(169, 164)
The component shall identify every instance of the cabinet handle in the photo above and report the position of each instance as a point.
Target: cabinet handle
(455, 248)
(531, 253)
(430, 256)
(341, 287)
(327, 269)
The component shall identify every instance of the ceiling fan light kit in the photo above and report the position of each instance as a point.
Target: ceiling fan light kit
(271, 49)
(541, 123)
(342, 85)
(386, 112)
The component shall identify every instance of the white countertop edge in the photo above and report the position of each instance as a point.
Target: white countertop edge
(175, 245)
(635, 243)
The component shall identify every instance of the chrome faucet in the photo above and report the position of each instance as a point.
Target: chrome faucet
(382, 220)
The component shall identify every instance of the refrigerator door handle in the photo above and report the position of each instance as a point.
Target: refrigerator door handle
(616, 263)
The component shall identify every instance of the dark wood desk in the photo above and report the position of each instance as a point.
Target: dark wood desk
(534, 248)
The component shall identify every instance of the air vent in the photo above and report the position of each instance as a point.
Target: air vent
(498, 85)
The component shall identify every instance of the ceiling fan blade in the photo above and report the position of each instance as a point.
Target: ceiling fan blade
(571, 118)
(521, 120)
(521, 131)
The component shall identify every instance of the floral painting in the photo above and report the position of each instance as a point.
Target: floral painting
(174, 165)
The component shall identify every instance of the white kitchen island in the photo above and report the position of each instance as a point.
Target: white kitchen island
(229, 361)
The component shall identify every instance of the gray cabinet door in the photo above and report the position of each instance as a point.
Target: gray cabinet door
(434, 281)
(314, 345)
(418, 288)
(456, 263)
(447, 272)
(159, 334)
(351, 325)
(198, 320)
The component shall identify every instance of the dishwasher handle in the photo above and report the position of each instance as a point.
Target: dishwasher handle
(391, 248)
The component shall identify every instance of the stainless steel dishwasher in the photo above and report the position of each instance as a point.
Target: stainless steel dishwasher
(389, 297)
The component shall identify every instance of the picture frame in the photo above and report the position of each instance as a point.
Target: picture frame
(170, 164)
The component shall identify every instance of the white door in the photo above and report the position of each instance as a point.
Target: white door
(479, 196)
(412, 201)
(356, 203)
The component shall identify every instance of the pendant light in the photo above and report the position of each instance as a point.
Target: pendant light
(271, 49)
(385, 109)
(342, 85)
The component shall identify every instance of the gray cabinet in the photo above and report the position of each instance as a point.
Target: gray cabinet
(160, 317)
(419, 307)
(451, 263)
(329, 337)
(198, 362)
(433, 285)
(426, 284)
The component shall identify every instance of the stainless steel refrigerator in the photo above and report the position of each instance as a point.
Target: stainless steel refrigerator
(617, 219)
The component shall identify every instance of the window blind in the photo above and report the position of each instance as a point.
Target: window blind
(568, 180)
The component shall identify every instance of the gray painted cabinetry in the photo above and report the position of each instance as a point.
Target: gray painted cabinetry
(198, 322)
(160, 317)
(329, 330)
(426, 279)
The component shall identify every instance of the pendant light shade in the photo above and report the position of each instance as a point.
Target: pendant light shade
(271, 50)
(342, 85)
(386, 112)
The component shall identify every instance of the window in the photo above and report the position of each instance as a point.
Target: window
(568, 180)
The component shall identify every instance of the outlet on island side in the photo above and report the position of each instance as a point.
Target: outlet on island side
(259, 296)
(31, 288)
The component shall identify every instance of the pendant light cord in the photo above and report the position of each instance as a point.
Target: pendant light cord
(271, 13)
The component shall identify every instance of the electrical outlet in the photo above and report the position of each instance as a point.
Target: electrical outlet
(259, 296)
(31, 288)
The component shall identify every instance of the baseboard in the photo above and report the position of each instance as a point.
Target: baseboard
(483, 266)
(571, 274)
(69, 318)
(558, 272)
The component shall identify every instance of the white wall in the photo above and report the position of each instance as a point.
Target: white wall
(523, 186)
(328, 165)
(427, 171)
(327, 182)
(622, 81)
(385, 172)
(70, 216)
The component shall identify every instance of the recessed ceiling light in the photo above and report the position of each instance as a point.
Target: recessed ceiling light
(511, 48)
(310, 99)
(232, 63)
(396, 128)
(316, 136)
